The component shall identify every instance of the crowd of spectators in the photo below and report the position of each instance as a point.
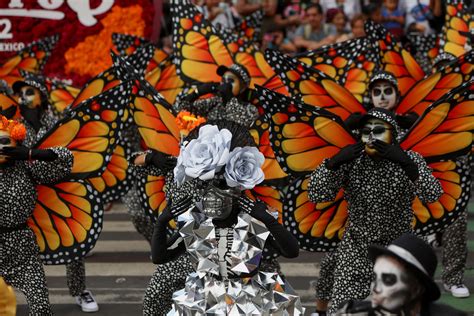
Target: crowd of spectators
(294, 26)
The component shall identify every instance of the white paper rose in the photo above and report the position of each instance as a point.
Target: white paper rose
(204, 156)
(243, 170)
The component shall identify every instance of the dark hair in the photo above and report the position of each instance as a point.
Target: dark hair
(315, 5)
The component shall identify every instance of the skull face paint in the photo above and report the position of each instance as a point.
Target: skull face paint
(383, 95)
(234, 80)
(5, 141)
(217, 201)
(390, 291)
(374, 129)
(30, 97)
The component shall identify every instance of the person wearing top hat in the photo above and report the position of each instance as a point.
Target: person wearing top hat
(38, 119)
(402, 281)
(230, 100)
(380, 181)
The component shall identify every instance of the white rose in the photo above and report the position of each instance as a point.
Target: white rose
(204, 156)
(243, 170)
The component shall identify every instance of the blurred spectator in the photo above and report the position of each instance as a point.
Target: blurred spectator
(275, 39)
(418, 15)
(337, 21)
(393, 18)
(357, 26)
(373, 11)
(294, 14)
(314, 32)
(247, 7)
(218, 12)
(438, 9)
(349, 7)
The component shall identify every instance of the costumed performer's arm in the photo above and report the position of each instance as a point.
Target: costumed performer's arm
(428, 188)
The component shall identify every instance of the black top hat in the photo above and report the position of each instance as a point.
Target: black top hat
(417, 255)
(236, 69)
(384, 115)
(32, 80)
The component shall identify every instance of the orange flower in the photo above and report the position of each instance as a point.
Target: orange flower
(187, 122)
(16, 130)
(92, 56)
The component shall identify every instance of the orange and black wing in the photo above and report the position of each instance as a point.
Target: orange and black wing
(61, 94)
(455, 179)
(313, 87)
(32, 58)
(317, 226)
(433, 87)
(198, 49)
(9, 106)
(393, 57)
(166, 81)
(444, 130)
(302, 136)
(426, 49)
(91, 131)
(350, 63)
(453, 35)
(246, 32)
(67, 221)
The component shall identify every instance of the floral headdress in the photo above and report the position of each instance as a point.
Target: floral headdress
(16, 130)
(215, 153)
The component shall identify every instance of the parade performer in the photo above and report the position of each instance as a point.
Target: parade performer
(21, 168)
(38, 118)
(213, 169)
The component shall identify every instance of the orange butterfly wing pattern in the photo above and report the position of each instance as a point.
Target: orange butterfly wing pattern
(197, 47)
(457, 21)
(426, 49)
(91, 131)
(245, 33)
(166, 81)
(433, 87)
(32, 58)
(393, 57)
(61, 94)
(67, 221)
(313, 87)
(9, 107)
(350, 63)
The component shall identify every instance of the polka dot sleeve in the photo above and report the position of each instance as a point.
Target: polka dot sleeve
(145, 170)
(47, 172)
(324, 183)
(427, 187)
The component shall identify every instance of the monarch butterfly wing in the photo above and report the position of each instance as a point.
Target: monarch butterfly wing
(32, 58)
(426, 49)
(254, 61)
(274, 83)
(312, 86)
(117, 178)
(198, 50)
(91, 131)
(9, 107)
(126, 44)
(393, 57)
(272, 170)
(246, 32)
(61, 94)
(166, 81)
(455, 179)
(67, 221)
(435, 86)
(444, 130)
(453, 37)
(349, 63)
(302, 136)
(317, 226)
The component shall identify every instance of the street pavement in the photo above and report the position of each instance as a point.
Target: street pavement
(119, 270)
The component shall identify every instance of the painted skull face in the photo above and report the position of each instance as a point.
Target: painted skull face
(383, 95)
(375, 129)
(217, 201)
(30, 97)
(234, 80)
(390, 291)
(5, 141)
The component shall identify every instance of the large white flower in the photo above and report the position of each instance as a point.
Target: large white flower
(204, 156)
(243, 170)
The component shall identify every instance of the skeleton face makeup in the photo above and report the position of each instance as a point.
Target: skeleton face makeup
(217, 201)
(30, 97)
(5, 141)
(390, 291)
(383, 95)
(234, 80)
(375, 129)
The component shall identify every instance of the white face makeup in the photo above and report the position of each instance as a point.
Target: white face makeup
(389, 290)
(383, 95)
(234, 80)
(30, 97)
(375, 129)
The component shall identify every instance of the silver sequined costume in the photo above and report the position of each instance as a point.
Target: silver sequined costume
(379, 196)
(20, 264)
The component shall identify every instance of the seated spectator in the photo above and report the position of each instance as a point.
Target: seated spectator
(403, 282)
(314, 33)
(247, 7)
(349, 7)
(275, 39)
(373, 11)
(337, 21)
(393, 18)
(418, 16)
(218, 12)
(357, 26)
